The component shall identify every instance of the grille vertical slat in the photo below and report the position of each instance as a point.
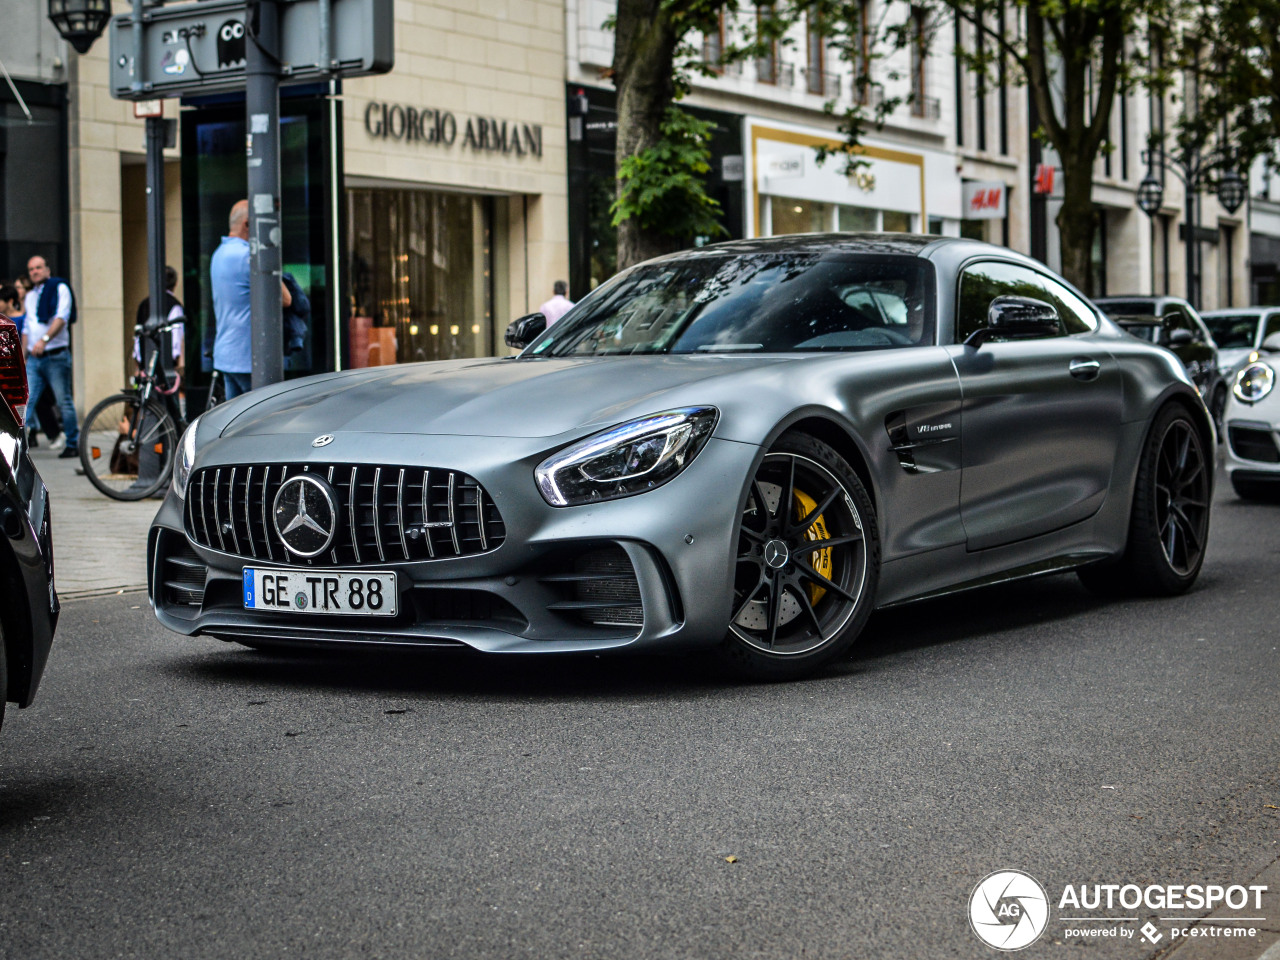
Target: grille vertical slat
(426, 513)
(400, 513)
(266, 530)
(369, 530)
(453, 521)
(231, 509)
(377, 519)
(351, 510)
(333, 554)
(217, 520)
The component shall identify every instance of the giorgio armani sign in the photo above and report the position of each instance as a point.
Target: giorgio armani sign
(391, 121)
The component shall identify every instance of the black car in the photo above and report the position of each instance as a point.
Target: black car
(1173, 323)
(28, 601)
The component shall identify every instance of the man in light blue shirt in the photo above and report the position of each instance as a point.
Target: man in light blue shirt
(229, 279)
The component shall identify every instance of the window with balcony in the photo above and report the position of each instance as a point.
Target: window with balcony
(919, 57)
(713, 45)
(767, 61)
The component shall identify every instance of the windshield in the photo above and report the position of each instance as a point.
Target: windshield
(1233, 331)
(758, 303)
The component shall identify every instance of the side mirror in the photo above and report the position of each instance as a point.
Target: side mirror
(1272, 343)
(524, 330)
(1016, 318)
(1181, 337)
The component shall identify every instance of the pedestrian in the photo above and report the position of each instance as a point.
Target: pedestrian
(173, 311)
(11, 306)
(51, 309)
(46, 409)
(229, 278)
(558, 305)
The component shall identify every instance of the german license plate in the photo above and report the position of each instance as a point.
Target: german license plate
(320, 591)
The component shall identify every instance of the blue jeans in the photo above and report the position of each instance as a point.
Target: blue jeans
(56, 372)
(237, 383)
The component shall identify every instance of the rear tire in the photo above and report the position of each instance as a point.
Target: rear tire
(4, 675)
(1169, 525)
(110, 461)
(798, 606)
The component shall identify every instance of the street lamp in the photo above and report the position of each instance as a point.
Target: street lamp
(1150, 195)
(80, 22)
(1231, 190)
(1192, 170)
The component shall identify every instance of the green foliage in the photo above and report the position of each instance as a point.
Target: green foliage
(663, 189)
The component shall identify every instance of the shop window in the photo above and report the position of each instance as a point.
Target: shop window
(859, 220)
(421, 276)
(894, 222)
(789, 215)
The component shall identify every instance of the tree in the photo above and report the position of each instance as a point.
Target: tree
(1071, 54)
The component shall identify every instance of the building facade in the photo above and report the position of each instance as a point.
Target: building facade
(423, 209)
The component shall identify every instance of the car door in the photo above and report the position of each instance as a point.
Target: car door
(1041, 417)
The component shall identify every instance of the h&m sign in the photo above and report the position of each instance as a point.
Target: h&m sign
(391, 121)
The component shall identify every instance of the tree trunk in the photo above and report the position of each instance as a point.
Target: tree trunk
(644, 74)
(1075, 222)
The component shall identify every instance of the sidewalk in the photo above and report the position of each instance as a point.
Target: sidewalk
(99, 544)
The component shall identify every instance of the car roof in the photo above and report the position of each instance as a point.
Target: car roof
(1239, 311)
(902, 244)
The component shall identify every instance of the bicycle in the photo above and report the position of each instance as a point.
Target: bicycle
(129, 440)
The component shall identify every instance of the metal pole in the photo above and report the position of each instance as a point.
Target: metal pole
(155, 221)
(262, 118)
(1190, 238)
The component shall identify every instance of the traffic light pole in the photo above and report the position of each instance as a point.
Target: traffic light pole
(262, 123)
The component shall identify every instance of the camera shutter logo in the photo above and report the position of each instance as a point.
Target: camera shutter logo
(1008, 910)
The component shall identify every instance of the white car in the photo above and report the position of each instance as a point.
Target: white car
(1238, 332)
(1253, 424)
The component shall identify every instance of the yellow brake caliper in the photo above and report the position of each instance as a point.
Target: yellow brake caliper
(820, 559)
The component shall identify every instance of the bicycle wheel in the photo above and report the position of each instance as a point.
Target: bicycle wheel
(126, 456)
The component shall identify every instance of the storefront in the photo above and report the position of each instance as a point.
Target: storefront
(893, 189)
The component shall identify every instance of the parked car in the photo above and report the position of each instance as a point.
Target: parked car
(1173, 323)
(1253, 424)
(746, 447)
(28, 600)
(1239, 332)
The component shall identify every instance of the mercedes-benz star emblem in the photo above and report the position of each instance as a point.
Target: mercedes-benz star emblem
(776, 554)
(323, 440)
(305, 514)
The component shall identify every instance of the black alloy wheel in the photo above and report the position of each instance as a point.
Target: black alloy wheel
(1182, 497)
(1169, 524)
(807, 563)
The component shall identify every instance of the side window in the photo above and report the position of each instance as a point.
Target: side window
(1175, 319)
(983, 282)
(1075, 314)
(1273, 325)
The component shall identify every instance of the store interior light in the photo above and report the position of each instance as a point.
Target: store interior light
(435, 329)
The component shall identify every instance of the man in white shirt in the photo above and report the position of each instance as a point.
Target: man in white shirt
(558, 305)
(50, 310)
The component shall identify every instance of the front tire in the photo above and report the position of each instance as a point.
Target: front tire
(799, 604)
(1169, 525)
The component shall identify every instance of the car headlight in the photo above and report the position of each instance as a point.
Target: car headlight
(186, 458)
(1254, 382)
(627, 459)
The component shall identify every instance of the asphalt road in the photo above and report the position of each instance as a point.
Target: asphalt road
(176, 798)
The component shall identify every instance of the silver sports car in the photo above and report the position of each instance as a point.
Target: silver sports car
(746, 447)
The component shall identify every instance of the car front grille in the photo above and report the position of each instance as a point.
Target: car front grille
(1249, 444)
(385, 514)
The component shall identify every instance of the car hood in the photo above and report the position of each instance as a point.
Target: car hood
(486, 397)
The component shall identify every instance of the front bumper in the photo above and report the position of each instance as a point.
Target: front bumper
(652, 571)
(1253, 446)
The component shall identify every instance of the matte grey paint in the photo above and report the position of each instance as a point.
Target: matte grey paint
(1048, 459)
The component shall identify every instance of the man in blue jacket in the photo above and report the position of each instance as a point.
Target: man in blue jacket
(51, 309)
